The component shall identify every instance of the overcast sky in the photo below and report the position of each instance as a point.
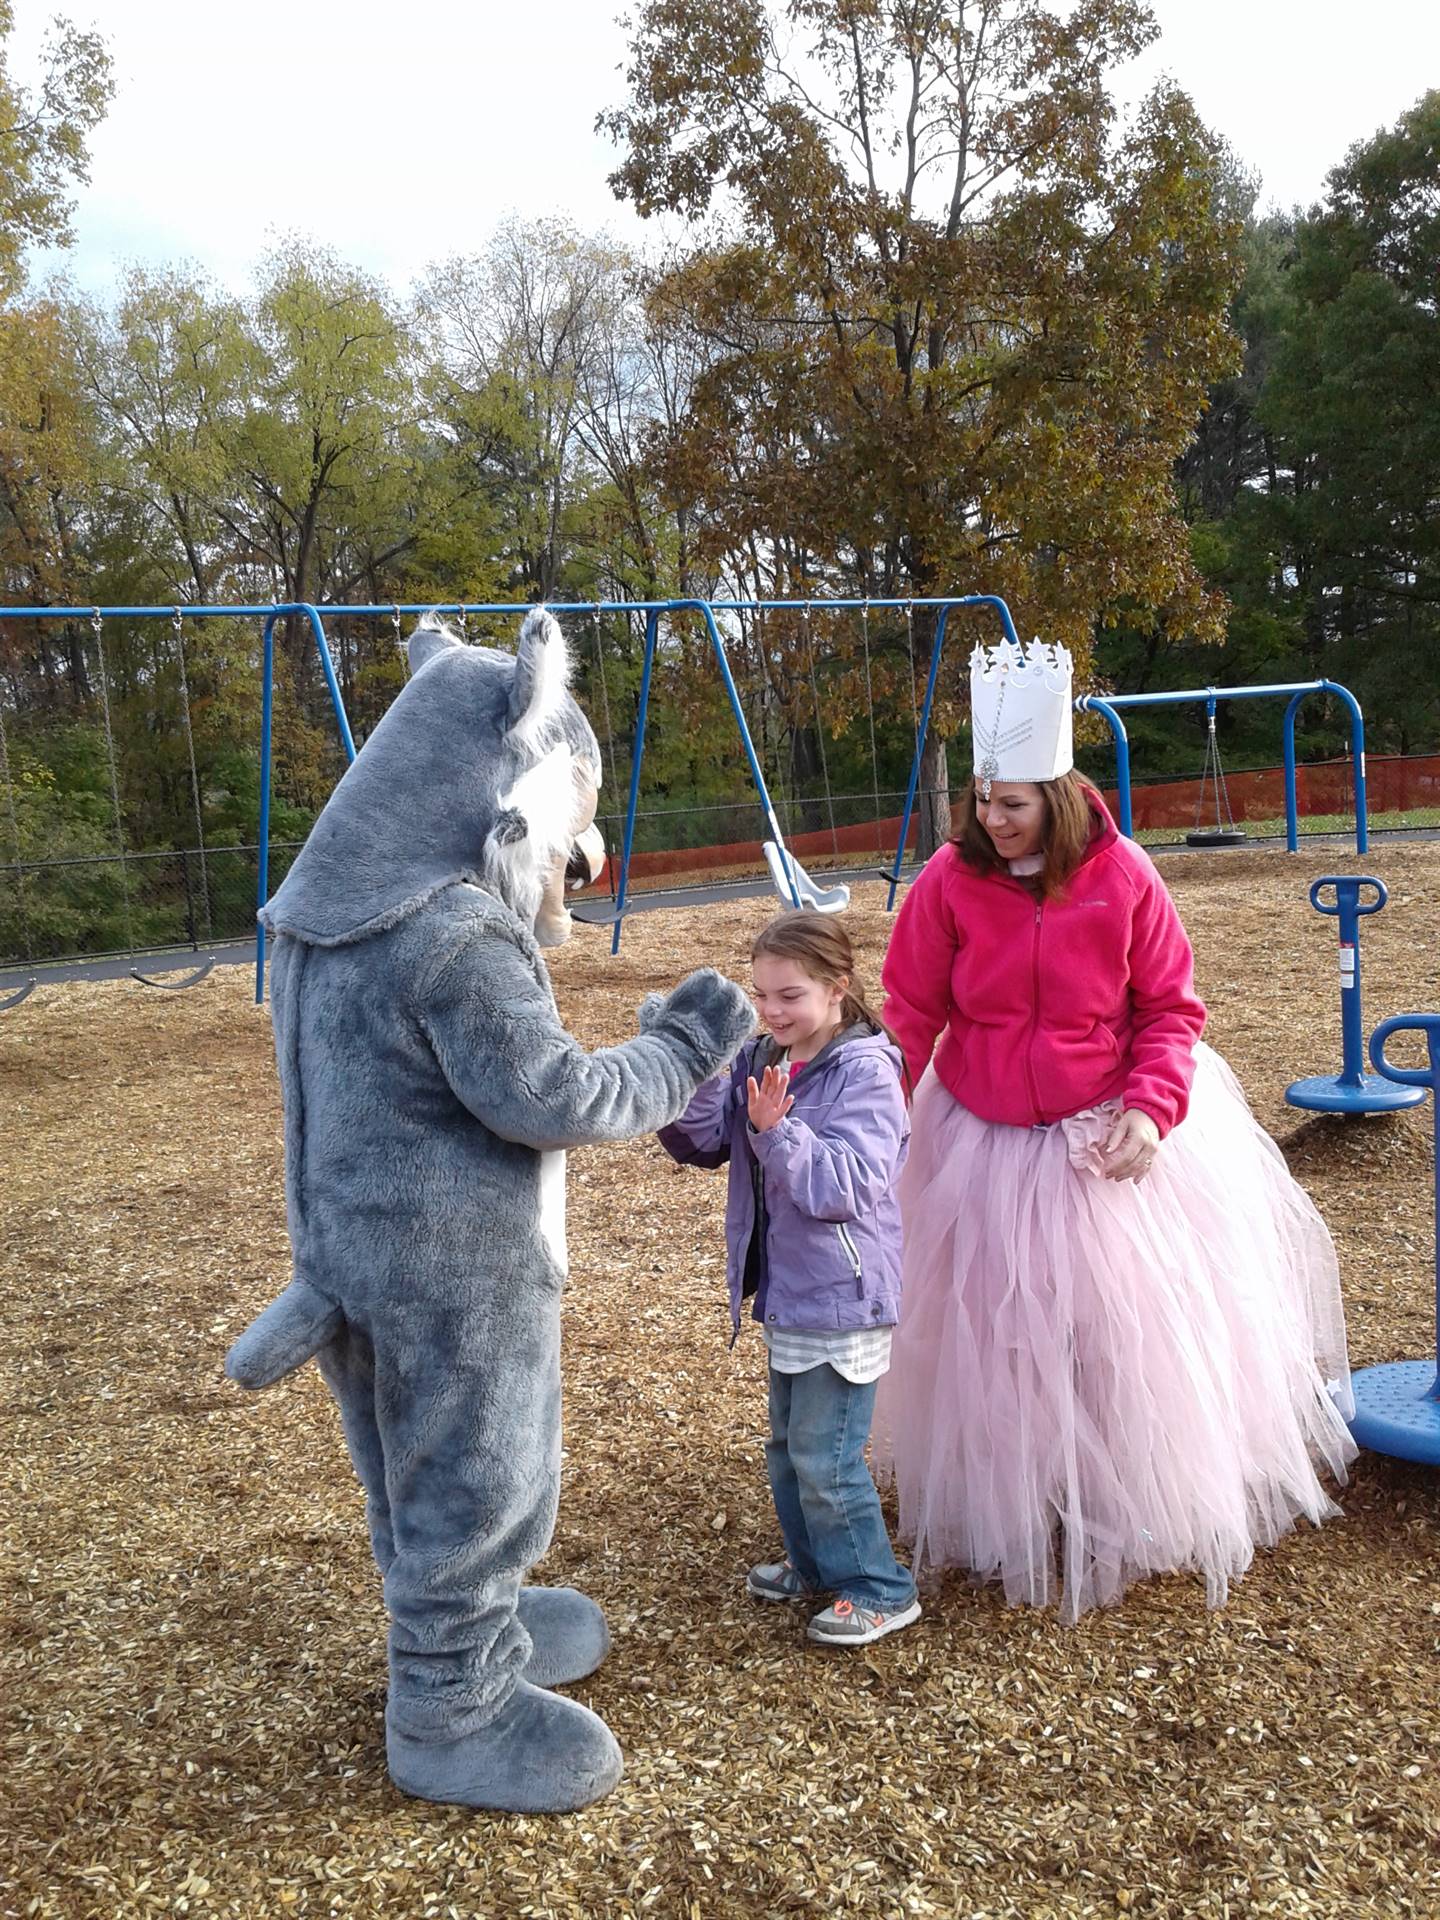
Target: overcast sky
(400, 135)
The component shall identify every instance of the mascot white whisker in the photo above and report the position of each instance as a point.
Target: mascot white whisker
(430, 1091)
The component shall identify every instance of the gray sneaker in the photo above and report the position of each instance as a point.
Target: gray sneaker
(849, 1624)
(779, 1582)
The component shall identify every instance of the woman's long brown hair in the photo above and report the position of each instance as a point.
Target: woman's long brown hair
(1069, 824)
(822, 950)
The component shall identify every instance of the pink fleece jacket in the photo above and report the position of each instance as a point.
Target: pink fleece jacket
(1046, 1008)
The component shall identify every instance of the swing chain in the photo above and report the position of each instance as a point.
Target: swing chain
(910, 654)
(870, 715)
(604, 696)
(11, 809)
(1213, 773)
(97, 627)
(820, 731)
(177, 623)
(400, 646)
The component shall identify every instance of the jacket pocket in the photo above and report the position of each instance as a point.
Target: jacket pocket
(852, 1254)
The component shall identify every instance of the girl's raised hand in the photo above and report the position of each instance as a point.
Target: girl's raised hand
(771, 1099)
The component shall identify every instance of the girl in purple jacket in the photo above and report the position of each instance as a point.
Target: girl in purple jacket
(812, 1121)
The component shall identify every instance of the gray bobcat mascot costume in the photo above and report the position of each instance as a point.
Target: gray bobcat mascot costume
(430, 1093)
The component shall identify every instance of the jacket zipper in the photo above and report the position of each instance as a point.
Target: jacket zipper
(849, 1245)
(1034, 1014)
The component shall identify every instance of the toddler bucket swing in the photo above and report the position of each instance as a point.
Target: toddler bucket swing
(1224, 833)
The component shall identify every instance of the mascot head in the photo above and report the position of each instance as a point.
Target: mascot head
(484, 769)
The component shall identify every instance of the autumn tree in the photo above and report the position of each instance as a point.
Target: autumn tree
(526, 342)
(321, 451)
(44, 131)
(1351, 403)
(960, 319)
(170, 369)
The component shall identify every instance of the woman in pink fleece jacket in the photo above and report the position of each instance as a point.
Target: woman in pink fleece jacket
(1122, 1350)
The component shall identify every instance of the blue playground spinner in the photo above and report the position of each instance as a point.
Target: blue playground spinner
(1352, 1090)
(1397, 1406)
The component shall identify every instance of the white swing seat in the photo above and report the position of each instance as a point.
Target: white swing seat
(785, 869)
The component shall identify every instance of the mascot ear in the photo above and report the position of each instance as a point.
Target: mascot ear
(431, 636)
(542, 668)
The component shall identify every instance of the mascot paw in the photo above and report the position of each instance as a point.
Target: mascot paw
(541, 1753)
(712, 1014)
(568, 1634)
(652, 1011)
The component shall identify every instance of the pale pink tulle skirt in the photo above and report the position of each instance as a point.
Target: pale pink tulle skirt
(1095, 1380)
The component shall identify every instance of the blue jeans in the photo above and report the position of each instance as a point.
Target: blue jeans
(826, 1501)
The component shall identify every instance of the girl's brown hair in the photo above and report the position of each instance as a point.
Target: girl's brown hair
(1069, 824)
(822, 950)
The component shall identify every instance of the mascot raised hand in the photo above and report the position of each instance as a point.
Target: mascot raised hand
(430, 1093)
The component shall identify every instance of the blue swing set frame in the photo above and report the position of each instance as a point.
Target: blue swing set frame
(654, 610)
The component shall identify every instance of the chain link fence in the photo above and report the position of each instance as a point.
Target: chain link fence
(136, 903)
(193, 897)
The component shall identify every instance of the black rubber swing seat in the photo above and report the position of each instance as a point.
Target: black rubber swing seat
(1216, 837)
(202, 972)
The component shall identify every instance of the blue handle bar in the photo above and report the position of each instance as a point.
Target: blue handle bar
(1426, 1023)
(1352, 883)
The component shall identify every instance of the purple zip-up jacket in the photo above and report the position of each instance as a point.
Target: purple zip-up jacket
(829, 1255)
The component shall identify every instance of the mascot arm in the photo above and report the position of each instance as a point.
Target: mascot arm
(501, 1046)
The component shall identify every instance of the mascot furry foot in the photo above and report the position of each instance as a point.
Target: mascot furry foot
(540, 1754)
(568, 1635)
(430, 1093)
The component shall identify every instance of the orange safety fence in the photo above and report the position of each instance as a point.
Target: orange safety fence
(1395, 784)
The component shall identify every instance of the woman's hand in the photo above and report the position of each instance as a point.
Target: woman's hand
(771, 1100)
(1131, 1148)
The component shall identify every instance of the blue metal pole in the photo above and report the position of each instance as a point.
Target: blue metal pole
(1357, 758)
(1180, 697)
(1093, 703)
(652, 632)
(142, 613)
(267, 701)
(1292, 810)
(644, 606)
(703, 606)
(1352, 1090)
(924, 728)
(322, 647)
(1347, 903)
(390, 607)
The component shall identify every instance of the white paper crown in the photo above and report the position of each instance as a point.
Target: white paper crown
(1020, 712)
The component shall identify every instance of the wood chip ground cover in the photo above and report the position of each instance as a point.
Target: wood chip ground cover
(193, 1668)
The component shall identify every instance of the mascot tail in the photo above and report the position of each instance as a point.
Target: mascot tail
(289, 1332)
